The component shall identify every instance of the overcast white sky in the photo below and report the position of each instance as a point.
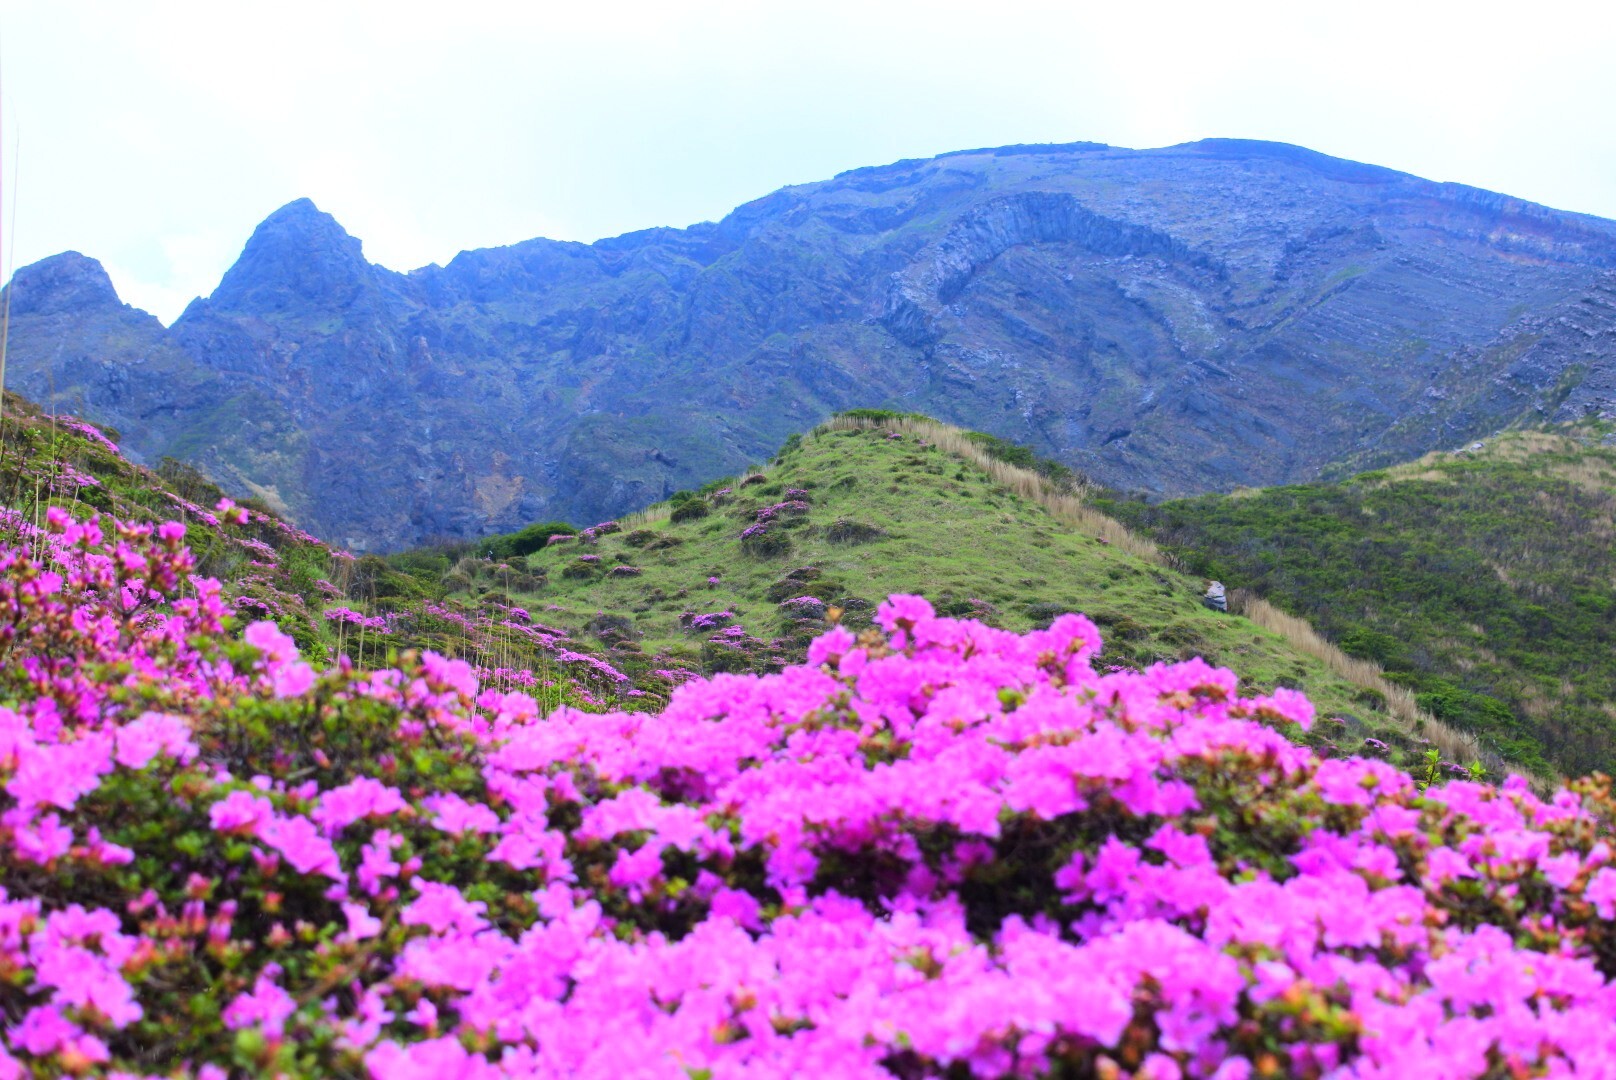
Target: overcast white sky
(155, 135)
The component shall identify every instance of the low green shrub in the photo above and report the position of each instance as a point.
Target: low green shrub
(690, 510)
(846, 531)
(526, 541)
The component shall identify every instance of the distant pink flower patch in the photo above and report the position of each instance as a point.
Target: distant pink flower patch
(381, 624)
(94, 434)
(712, 620)
(803, 607)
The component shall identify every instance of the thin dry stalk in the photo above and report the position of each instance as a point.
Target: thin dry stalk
(649, 516)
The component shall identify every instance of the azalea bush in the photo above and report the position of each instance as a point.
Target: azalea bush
(802, 607)
(935, 849)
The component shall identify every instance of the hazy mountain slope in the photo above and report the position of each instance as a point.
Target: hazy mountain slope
(1172, 320)
(1482, 579)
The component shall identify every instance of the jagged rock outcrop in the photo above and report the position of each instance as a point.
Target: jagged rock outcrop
(1554, 365)
(1175, 320)
(919, 292)
(68, 282)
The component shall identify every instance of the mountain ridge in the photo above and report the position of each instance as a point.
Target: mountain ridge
(1190, 318)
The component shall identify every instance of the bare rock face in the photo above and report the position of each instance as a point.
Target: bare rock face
(68, 282)
(1175, 320)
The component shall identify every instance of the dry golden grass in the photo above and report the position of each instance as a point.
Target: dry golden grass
(649, 516)
(1454, 745)
(1519, 445)
(1593, 476)
(1435, 459)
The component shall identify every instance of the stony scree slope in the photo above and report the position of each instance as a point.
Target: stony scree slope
(1177, 320)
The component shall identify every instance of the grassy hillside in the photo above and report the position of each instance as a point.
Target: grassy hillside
(737, 577)
(1481, 579)
(857, 510)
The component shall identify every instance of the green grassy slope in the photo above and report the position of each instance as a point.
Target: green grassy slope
(1481, 579)
(882, 515)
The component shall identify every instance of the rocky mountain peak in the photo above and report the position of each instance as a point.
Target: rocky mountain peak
(299, 256)
(1176, 320)
(68, 283)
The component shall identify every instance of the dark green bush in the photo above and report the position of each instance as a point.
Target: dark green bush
(528, 540)
(689, 511)
(852, 532)
(768, 544)
(883, 416)
(1043, 613)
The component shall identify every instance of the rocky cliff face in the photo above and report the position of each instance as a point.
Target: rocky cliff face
(1174, 320)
